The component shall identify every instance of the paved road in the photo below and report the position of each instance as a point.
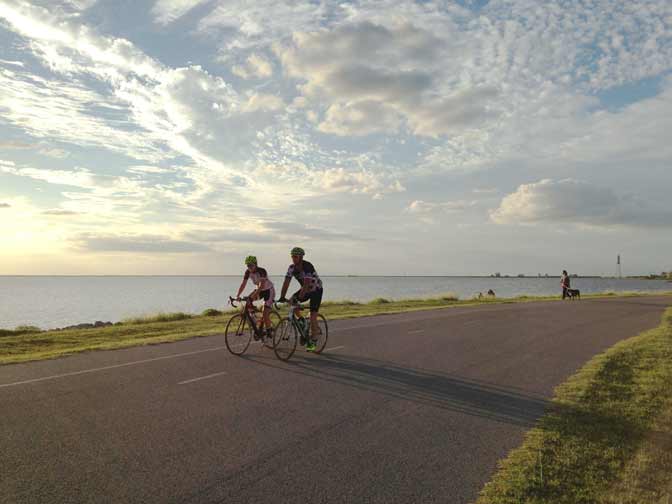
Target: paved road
(404, 408)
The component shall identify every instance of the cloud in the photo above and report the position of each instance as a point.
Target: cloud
(421, 207)
(339, 180)
(363, 69)
(576, 202)
(12, 63)
(14, 145)
(225, 235)
(59, 212)
(168, 11)
(241, 24)
(255, 67)
(136, 244)
(360, 118)
(296, 230)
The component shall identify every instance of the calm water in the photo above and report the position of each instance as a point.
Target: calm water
(60, 301)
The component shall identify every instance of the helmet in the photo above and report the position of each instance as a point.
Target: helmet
(297, 251)
(250, 260)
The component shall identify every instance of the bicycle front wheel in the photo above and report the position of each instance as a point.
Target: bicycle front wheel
(238, 335)
(320, 340)
(284, 340)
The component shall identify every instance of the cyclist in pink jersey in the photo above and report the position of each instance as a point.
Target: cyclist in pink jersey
(264, 288)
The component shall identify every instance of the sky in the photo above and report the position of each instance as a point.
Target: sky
(384, 137)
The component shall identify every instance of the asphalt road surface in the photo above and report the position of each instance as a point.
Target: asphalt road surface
(412, 408)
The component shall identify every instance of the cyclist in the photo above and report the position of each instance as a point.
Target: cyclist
(311, 289)
(264, 290)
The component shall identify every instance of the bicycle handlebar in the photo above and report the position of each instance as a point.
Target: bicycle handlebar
(276, 304)
(233, 301)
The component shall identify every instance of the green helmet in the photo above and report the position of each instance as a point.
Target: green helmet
(297, 251)
(250, 260)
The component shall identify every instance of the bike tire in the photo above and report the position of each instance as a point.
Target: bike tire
(284, 340)
(276, 319)
(321, 340)
(238, 335)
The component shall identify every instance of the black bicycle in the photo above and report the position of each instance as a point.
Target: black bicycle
(243, 327)
(296, 329)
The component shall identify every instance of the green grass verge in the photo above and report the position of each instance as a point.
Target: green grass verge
(28, 343)
(606, 437)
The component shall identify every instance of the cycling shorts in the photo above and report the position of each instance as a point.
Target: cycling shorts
(315, 298)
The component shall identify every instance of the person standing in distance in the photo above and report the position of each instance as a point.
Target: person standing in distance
(564, 283)
(311, 289)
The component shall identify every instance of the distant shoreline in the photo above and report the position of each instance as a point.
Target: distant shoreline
(507, 277)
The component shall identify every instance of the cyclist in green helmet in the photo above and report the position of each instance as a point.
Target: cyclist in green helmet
(264, 288)
(311, 289)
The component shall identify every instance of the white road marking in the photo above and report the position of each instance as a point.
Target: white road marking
(105, 368)
(334, 348)
(202, 378)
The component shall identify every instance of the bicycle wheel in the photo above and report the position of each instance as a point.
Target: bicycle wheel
(276, 318)
(238, 335)
(321, 340)
(284, 340)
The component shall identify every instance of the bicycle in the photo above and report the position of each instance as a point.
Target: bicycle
(295, 328)
(242, 327)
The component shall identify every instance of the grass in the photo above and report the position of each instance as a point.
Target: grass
(607, 436)
(159, 317)
(26, 344)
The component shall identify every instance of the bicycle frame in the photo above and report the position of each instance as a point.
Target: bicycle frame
(293, 319)
(245, 310)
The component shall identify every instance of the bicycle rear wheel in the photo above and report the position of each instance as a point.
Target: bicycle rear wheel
(321, 339)
(238, 335)
(284, 340)
(276, 319)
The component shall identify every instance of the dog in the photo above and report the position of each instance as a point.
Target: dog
(573, 294)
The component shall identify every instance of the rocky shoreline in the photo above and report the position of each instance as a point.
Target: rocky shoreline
(96, 324)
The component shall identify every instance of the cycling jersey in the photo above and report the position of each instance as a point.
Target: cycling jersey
(259, 278)
(306, 276)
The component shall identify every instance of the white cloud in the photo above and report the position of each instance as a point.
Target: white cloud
(168, 11)
(341, 180)
(144, 243)
(12, 63)
(336, 100)
(59, 212)
(364, 68)
(360, 118)
(426, 207)
(242, 24)
(256, 66)
(571, 201)
(260, 102)
(57, 109)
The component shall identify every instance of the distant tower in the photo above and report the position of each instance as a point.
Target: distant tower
(618, 263)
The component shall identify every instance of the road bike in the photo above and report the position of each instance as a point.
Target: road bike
(243, 327)
(294, 329)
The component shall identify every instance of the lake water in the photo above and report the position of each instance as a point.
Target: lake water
(58, 301)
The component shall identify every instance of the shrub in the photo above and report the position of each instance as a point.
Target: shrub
(380, 300)
(24, 329)
(159, 317)
(211, 312)
(449, 296)
(344, 302)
